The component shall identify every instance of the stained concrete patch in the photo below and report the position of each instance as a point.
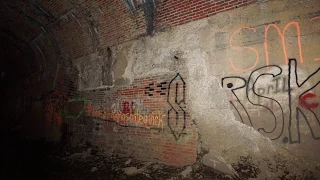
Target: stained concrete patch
(121, 82)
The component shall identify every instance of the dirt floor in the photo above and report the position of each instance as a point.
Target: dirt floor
(26, 158)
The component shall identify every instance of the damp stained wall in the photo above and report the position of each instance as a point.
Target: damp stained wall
(240, 86)
(250, 78)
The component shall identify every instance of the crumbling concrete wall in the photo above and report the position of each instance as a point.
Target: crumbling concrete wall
(252, 79)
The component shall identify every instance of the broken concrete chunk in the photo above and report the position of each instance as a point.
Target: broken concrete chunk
(128, 162)
(84, 154)
(212, 161)
(130, 171)
(93, 169)
(187, 171)
(156, 166)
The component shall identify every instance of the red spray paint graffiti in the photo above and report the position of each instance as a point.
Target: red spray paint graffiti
(304, 103)
(55, 116)
(127, 107)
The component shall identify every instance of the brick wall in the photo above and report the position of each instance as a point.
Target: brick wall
(134, 120)
(18, 24)
(82, 27)
(176, 12)
(91, 25)
(148, 119)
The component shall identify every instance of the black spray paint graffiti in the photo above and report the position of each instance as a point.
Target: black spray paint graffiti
(279, 85)
(295, 137)
(159, 89)
(177, 104)
(295, 112)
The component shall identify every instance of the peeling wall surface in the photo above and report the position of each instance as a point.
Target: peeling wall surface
(237, 89)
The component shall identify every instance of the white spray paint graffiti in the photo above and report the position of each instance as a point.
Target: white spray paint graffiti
(125, 105)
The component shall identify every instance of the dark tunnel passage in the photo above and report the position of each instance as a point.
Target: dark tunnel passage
(21, 155)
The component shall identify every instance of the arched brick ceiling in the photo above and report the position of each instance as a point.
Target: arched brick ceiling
(60, 30)
(16, 58)
(20, 24)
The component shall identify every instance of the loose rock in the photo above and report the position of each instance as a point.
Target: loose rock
(187, 171)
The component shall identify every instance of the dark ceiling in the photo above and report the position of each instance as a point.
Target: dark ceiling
(22, 21)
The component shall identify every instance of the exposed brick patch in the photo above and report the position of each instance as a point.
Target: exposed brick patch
(110, 123)
(176, 12)
(97, 24)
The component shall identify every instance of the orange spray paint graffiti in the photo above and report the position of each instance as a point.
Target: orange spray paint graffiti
(266, 31)
(296, 24)
(155, 119)
(312, 19)
(317, 17)
(243, 47)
